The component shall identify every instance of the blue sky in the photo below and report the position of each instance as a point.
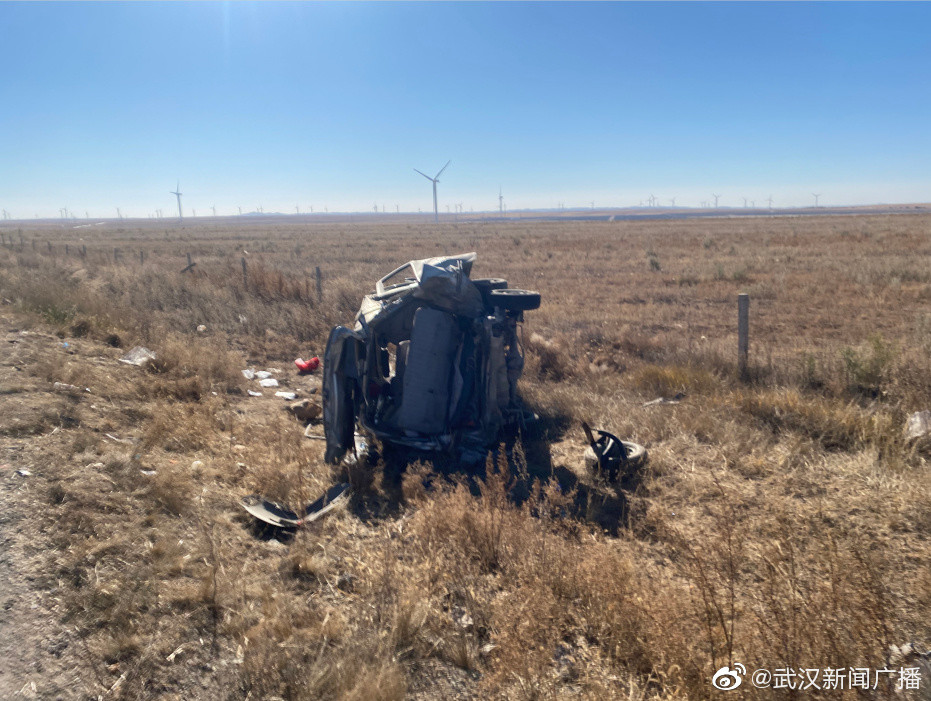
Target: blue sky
(106, 105)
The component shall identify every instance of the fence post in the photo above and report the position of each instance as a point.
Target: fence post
(49, 246)
(319, 284)
(67, 250)
(83, 250)
(245, 273)
(743, 333)
(141, 256)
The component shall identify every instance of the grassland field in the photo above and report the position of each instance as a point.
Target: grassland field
(782, 520)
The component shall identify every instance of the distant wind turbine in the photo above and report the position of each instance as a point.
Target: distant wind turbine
(745, 202)
(770, 200)
(673, 201)
(500, 201)
(435, 179)
(214, 208)
(177, 193)
(816, 196)
(715, 199)
(119, 215)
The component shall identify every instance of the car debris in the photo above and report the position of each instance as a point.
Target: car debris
(275, 514)
(675, 399)
(268, 382)
(611, 457)
(306, 367)
(432, 361)
(249, 374)
(253, 393)
(918, 425)
(139, 356)
(286, 395)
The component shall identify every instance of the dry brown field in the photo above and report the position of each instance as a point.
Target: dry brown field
(782, 520)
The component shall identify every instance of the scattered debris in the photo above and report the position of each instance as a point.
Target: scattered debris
(286, 395)
(147, 473)
(263, 374)
(280, 516)
(62, 387)
(126, 441)
(249, 374)
(139, 356)
(307, 366)
(269, 382)
(24, 473)
(309, 433)
(197, 465)
(201, 328)
(678, 397)
(610, 456)
(305, 410)
(918, 425)
(254, 394)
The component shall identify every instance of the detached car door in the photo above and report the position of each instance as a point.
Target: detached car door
(341, 395)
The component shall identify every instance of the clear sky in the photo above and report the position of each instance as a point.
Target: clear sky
(106, 105)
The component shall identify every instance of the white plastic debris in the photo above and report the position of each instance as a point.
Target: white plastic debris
(286, 395)
(138, 356)
(918, 425)
(263, 374)
(269, 382)
(249, 374)
(201, 328)
(62, 387)
(254, 394)
(23, 473)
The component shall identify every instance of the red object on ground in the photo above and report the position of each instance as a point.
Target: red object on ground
(305, 366)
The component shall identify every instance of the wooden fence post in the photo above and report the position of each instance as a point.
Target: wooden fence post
(49, 246)
(190, 265)
(141, 256)
(743, 333)
(245, 273)
(67, 250)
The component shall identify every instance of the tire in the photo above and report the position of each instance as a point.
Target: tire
(513, 300)
(636, 454)
(486, 284)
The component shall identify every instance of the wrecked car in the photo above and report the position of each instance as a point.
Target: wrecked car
(431, 363)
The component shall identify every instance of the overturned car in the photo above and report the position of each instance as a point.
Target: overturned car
(432, 362)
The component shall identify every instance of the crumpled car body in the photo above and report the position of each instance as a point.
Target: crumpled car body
(432, 361)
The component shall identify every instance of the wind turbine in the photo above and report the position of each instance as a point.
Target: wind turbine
(715, 199)
(816, 196)
(500, 201)
(770, 200)
(177, 193)
(214, 208)
(745, 202)
(119, 215)
(435, 179)
(673, 201)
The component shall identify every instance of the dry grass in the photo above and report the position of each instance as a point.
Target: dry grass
(780, 522)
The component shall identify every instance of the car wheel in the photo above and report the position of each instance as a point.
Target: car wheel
(514, 300)
(486, 284)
